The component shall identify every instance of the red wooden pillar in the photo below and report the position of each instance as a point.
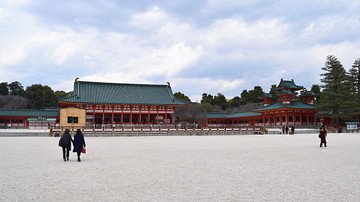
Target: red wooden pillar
(293, 118)
(173, 116)
(157, 114)
(139, 118)
(307, 118)
(112, 115)
(122, 115)
(103, 114)
(148, 115)
(93, 121)
(301, 120)
(131, 107)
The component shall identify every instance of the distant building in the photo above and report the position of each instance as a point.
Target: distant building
(116, 103)
(286, 107)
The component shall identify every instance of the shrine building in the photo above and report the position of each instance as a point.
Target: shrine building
(283, 107)
(116, 103)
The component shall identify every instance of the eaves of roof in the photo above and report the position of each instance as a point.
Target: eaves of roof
(30, 112)
(292, 105)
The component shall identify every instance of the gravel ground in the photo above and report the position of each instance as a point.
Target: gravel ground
(183, 168)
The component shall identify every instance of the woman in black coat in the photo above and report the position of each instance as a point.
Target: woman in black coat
(79, 143)
(66, 144)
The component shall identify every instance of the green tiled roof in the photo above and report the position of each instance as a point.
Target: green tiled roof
(292, 105)
(286, 92)
(232, 115)
(118, 93)
(288, 84)
(30, 112)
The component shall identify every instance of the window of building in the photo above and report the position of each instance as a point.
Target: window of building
(72, 119)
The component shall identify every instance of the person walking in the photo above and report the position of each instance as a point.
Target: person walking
(293, 130)
(322, 136)
(66, 144)
(79, 143)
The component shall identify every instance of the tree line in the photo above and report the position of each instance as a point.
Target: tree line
(14, 96)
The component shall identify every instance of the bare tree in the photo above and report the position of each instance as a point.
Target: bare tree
(191, 114)
(12, 102)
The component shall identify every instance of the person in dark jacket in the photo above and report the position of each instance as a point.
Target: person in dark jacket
(66, 144)
(322, 136)
(79, 143)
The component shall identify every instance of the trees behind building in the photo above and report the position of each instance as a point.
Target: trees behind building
(14, 96)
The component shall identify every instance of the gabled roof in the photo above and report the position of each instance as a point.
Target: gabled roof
(292, 105)
(119, 93)
(30, 112)
(288, 85)
(286, 92)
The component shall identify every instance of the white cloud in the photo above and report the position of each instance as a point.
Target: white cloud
(157, 46)
(196, 86)
(18, 2)
(4, 14)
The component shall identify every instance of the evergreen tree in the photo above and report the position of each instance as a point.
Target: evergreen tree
(16, 88)
(182, 96)
(221, 101)
(336, 98)
(354, 78)
(4, 88)
(244, 97)
(40, 97)
(207, 98)
(235, 102)
(315, 88)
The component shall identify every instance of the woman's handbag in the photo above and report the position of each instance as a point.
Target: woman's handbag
(83, 150)
(60, 142)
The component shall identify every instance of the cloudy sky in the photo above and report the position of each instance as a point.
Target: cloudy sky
(207, 46)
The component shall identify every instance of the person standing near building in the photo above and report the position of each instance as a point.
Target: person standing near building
(79, 143)
(322, 136)
(293, 130)
(287, 129)
(66, 144)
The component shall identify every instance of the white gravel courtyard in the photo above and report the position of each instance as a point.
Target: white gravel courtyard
(183, 168)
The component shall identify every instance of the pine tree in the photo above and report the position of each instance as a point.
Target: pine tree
(354, 74)
(336, 91)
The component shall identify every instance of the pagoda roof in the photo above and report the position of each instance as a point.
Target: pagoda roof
(284, 84)
(121, 93)
(286, 92)
(233, 115)
(292, 105)
(30, 112)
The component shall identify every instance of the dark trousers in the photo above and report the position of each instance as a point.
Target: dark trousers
(66, 150)
(323, 141)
